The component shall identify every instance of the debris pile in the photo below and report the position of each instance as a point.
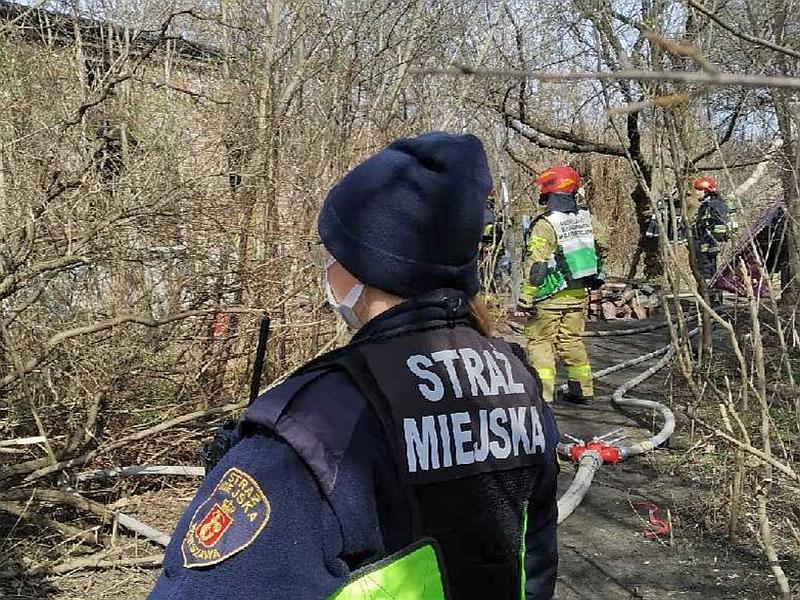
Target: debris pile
(623, 301)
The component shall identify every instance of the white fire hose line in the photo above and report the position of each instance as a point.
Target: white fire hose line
(633, 330)
(588, 464)
(590, 461)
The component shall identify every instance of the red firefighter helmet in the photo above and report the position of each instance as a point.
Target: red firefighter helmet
(558, 179)
(706, 184)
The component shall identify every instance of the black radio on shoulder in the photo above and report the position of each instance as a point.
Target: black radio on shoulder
(213, 451)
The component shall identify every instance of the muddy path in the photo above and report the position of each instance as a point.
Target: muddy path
(604, 553)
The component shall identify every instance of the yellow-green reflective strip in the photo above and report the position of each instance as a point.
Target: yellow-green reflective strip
(414, 576)
(545, 373)
(529, 291)
(537, 242)
(523, 576)
(579, 371)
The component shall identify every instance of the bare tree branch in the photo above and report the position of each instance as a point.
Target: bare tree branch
(725, 136)
(12, 281)
(559, 139)
(61, 337)
(707, 79)
(740, 34)
(140, 59)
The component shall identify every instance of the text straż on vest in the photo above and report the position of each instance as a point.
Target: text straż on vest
(475, 434)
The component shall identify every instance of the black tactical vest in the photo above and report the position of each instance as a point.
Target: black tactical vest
(464, 419)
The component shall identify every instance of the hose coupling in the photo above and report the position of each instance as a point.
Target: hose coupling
(608, 453)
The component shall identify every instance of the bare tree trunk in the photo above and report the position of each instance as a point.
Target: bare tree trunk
(789, 164)
(763, 489)
(790, 181)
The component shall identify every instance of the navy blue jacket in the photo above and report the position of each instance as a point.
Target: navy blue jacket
(313, 539)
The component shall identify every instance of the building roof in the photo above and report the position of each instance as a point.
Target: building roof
(52, 27)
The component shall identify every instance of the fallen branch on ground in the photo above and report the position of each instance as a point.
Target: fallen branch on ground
(40, 467)
(154, 560)
(81, 503)
(132, 471)
(24, 512)
(28, 441)
(785, 469)
(83, 459)
(98, 561)
(143, 529)
(60, 497)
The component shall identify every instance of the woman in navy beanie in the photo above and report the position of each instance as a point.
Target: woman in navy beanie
(418, 461)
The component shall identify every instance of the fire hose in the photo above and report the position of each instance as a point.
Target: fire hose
(519, 328)
(590, 456)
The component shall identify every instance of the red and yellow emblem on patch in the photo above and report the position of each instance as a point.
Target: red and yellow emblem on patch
(227, 522)
(213, 526)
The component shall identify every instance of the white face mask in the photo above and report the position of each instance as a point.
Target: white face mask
(346, 308)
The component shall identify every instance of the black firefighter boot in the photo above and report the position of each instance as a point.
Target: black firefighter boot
(573, 394)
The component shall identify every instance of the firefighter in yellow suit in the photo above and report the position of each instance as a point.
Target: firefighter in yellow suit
(561, 263)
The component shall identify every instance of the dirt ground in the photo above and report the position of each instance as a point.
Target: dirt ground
(604, 553)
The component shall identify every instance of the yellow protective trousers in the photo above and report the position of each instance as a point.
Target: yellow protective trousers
(556, 330)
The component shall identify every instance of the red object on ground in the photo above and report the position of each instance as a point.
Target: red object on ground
(609, 454)
(658, 527)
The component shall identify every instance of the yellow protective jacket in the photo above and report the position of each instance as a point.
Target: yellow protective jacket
(541, 248)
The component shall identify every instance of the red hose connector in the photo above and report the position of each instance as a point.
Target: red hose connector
(609, 454)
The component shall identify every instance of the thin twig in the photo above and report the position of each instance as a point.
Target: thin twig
(91, 536)
(153, 560)
(708, 79)
(740, 34)
(62, 336)
(785, 469)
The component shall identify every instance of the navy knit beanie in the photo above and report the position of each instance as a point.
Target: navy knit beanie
(408, 220)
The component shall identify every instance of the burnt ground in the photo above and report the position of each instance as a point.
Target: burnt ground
(603, 551)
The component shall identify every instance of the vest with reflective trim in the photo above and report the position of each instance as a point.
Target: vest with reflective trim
(464, 420)
(414, 573)
(575, 256)
(712, 226)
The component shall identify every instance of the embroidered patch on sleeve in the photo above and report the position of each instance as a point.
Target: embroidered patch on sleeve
(227, 522)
